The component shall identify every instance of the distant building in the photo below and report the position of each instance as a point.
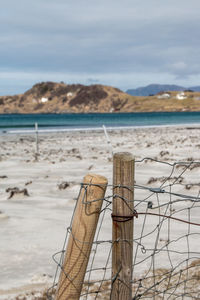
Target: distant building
(163, 95)
(70, 94)
(43, 100)
(181, 96)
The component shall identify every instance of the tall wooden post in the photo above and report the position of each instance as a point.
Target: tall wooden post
(82, 234)
(107, 138)
(36, 141)
(122, 251)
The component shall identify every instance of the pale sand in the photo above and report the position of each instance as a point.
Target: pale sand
(32, 228)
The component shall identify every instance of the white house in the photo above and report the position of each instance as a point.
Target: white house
(164, 96)
(181, 96)
(43, 100)
(70, 94)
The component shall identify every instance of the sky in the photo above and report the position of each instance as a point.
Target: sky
(126, 44)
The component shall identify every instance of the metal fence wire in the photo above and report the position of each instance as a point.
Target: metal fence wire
(166, 238)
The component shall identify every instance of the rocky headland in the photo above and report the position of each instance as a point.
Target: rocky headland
(51, 97)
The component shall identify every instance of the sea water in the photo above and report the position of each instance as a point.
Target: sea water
(93, 120)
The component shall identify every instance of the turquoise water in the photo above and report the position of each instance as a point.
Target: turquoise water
(92, 120)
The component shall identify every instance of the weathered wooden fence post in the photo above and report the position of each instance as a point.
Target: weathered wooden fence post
(36, 141)
(108, 138)
(81, 237)
(123, 208)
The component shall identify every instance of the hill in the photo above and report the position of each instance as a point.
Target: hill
(195, 88)
(153, 89)
(52, 97)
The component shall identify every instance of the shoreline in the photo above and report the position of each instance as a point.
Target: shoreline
(181, 111)
(98, 129)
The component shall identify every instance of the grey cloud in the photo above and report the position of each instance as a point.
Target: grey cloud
(101, 37)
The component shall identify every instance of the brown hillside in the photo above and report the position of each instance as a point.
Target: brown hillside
(51, 97)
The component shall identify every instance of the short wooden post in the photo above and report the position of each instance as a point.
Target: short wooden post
(107, 138)
(123, 208)
(36, 141)
(82, 234)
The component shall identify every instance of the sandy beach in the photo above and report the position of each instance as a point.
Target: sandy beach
(33, 220)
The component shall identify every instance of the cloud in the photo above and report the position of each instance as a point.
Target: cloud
(101, 38)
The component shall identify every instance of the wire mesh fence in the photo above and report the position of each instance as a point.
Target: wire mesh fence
(166, 255)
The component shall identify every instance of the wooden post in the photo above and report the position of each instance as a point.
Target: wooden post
(107, 138)
(82, 234)
(36, 141)
(122, 251)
